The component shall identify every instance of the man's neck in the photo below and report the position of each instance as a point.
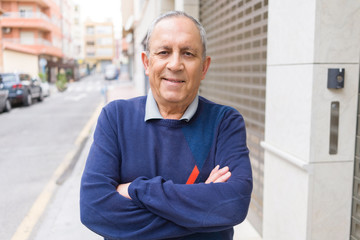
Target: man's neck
(173, 111)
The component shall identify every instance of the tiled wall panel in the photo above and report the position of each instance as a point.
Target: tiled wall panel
(237, 43)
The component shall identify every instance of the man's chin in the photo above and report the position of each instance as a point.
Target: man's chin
(174, 100)
(172, 96)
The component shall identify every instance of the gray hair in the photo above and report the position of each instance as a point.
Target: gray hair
(176, 14)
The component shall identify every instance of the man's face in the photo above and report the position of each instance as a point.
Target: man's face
(175, 65)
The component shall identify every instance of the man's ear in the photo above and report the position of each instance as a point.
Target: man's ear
(145, 61)
(205, 67)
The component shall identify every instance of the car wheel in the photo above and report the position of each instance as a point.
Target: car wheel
(41, 96)
(7, 106)
(27, 99)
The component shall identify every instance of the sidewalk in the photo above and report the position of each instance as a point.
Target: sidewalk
(62, 217)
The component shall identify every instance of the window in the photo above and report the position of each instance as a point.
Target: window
(104, 41)
(25, 11)
(27, 37)
(104, 52)
(90, 30)
(90, 54)
(104, 29)
(90, 43)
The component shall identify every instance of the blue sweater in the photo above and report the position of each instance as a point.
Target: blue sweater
(167, 162)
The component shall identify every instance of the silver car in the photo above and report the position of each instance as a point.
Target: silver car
(5, 105)
(111, 72)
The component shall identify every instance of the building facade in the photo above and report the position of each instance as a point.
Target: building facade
(77, 37)
(67, 11)
(275, 61)
(99, 44)
(77, 50)
(33, 38)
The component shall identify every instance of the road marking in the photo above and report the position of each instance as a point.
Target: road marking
(76, 98)
(27, 225)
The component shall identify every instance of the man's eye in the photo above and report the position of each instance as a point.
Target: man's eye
(163, 53)
(189, 54)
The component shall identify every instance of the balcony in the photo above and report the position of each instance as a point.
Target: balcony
(42, 3)
(35, 46)
(36, 20)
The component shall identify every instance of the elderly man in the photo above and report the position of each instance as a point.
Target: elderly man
(171, 165)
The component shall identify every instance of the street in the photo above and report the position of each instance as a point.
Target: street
(35, 140)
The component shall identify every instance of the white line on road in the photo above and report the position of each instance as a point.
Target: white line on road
(76, 98)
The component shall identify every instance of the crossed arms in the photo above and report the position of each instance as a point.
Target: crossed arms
(216, 176)
(157, 208)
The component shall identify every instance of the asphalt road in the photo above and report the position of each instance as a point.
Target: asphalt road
(35, 140)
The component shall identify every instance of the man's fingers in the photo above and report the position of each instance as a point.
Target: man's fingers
(212, 174)
(223, 178)
(215, 170)
(217, 175)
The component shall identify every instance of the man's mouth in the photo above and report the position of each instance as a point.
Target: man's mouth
(173, 80)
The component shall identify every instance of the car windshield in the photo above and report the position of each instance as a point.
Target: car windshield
(24, 77)
(8, 78)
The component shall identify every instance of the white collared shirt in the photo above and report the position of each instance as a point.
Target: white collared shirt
(152, 109)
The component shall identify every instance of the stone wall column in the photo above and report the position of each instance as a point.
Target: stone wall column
(307, 190)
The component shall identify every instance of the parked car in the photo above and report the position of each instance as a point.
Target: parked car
(111, 72)
(22, 88)
(45, 87)
(5, 105)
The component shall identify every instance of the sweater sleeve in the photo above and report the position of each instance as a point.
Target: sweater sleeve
(205, 207)
(103, 209)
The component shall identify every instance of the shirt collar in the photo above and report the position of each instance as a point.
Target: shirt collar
(152, 110)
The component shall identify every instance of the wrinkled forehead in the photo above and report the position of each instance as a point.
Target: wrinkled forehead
(177, 29)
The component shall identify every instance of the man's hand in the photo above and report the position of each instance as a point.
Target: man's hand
(123, 190)
(219, 175)
(216, 176)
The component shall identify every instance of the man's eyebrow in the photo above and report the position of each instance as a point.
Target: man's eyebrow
(189, 48)
(170, 48)
(194, 51)
(162, 48)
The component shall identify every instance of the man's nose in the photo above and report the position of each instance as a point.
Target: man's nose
(175, 62)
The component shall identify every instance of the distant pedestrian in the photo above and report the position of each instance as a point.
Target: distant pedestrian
(172, 164)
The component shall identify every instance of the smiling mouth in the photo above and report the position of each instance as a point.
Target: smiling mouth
(173, 80)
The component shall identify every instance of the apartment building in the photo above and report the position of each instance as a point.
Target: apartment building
(77, 37)
(77, 50)
(1, 52)
(67, 11)
(33, 36)
(273, 61)
(99, 44)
